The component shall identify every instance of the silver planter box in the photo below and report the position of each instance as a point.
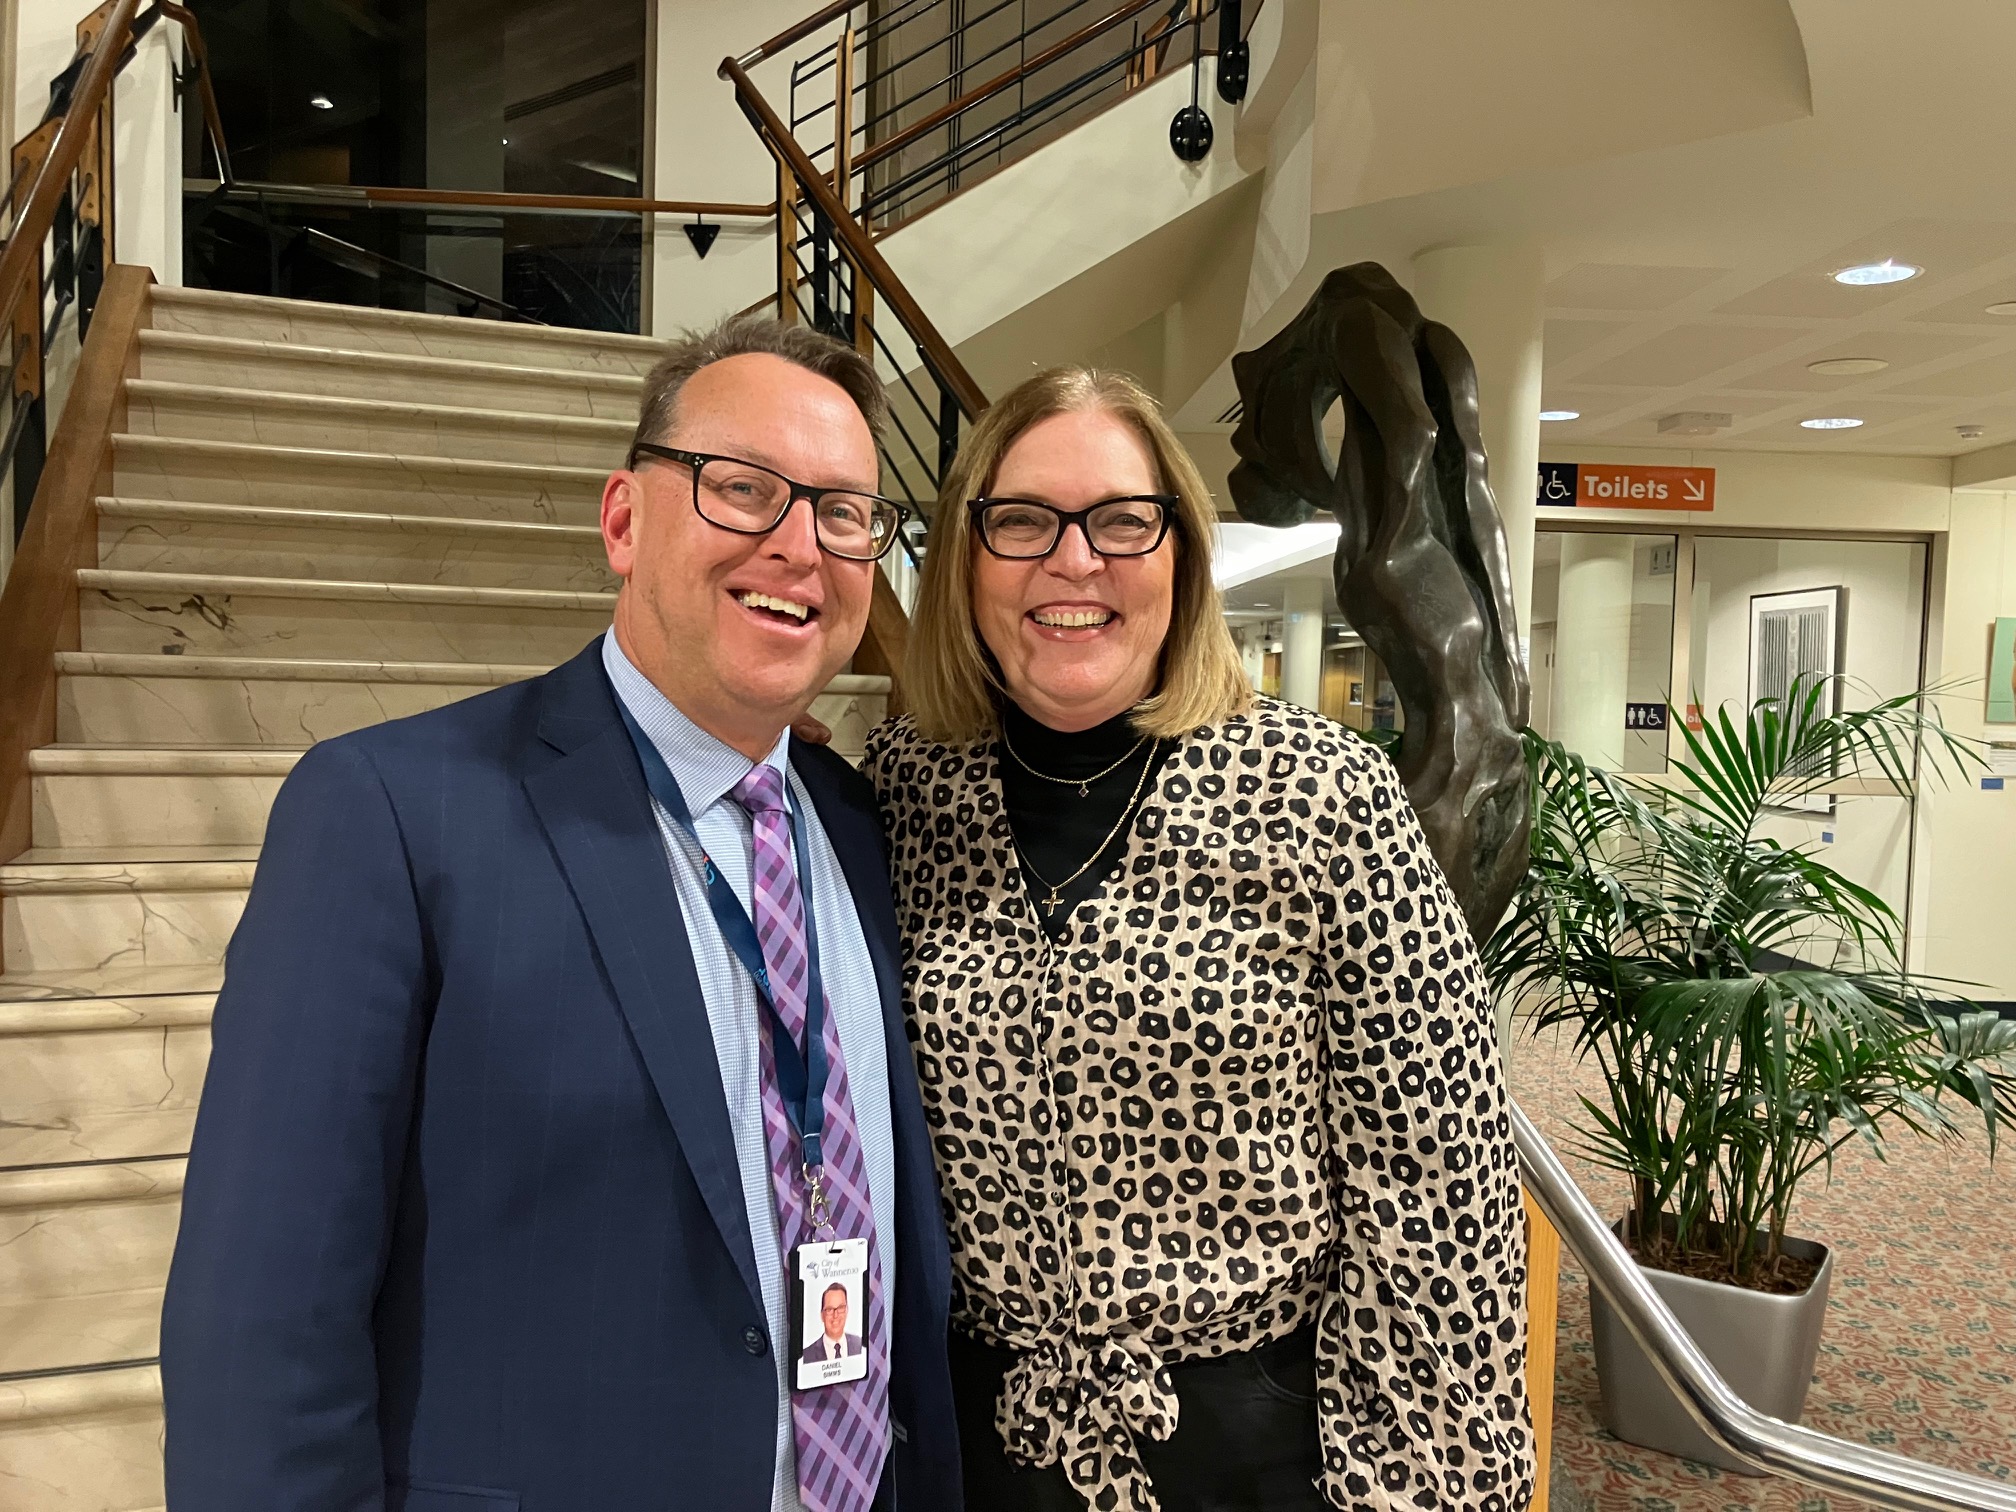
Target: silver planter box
(1763, 1346)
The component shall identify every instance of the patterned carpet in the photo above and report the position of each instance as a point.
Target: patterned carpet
(1919, 1356)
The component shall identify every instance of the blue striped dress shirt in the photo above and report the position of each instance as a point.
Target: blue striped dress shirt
(706, 770)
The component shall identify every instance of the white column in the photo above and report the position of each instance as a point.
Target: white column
(1491, 298)
(1592, 647)
(1252, 640)
(1302, 641)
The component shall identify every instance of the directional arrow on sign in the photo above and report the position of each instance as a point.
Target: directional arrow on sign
(1696, 490)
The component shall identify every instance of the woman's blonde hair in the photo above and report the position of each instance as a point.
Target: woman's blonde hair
(950, 680)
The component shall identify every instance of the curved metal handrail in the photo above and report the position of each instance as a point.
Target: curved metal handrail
(1766, 1444)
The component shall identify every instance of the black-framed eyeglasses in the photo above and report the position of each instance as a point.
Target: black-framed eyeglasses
(751, 499)
(1024, 529)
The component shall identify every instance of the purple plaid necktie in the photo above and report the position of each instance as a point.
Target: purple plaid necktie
(842, 1431)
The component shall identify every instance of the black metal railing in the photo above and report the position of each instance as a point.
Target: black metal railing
(920, 99)
(566, 268)
(827, 291)
(903, 107)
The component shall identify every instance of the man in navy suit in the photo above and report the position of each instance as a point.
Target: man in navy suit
(480, 1213)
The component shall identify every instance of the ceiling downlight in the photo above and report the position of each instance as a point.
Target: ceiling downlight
(1847, 367)
(1831, 422)
(1867, 275)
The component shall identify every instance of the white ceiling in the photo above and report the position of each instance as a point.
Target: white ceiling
(1693, 275)
(1627, 344)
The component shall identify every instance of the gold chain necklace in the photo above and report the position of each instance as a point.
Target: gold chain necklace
(1056, 899)
(1080, 783)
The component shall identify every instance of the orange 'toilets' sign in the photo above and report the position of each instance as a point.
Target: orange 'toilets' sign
(1625, 485)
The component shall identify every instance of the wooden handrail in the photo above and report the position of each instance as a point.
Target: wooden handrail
(213, 118)
(1007, 79)
(825, 15)
(857, 244)
(38, 606)
(37, 213)
(381, 194)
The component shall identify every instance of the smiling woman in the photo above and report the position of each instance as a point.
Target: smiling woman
(1208, 1063)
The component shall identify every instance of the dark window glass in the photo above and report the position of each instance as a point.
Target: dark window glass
(525, 96)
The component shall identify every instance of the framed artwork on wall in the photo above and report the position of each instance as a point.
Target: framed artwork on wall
(2002, 673)
(1797, 638)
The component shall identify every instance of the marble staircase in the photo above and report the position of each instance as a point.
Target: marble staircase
(318, 518)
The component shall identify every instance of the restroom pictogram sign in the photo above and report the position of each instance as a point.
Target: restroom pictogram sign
(1625, 485)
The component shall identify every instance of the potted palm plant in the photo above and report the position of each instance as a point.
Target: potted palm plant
(1748, 1008)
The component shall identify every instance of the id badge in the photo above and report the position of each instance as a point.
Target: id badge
(829, 1312)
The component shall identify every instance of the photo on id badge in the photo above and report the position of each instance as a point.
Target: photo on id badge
(829, 1292)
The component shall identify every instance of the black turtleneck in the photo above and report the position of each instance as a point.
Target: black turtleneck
(1056, 830)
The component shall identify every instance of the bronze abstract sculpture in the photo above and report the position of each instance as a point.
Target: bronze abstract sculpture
(1421, 568)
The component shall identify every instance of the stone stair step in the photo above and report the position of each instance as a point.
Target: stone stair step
(119, 797)
(82, 1441)
(64, 1333)
(292, 367)
(304, 617)
(382, 425)
(233, 472)
(104, 997)
(249, 540)
(353, 328)
(150, 699)
(72, 910)
(69, 1231)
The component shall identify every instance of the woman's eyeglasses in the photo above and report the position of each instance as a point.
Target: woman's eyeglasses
(1023, 529)
(752, 500)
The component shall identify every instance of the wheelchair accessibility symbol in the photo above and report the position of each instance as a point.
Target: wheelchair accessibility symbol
(1557, 484)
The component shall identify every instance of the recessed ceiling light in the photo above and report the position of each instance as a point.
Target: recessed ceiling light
(1560, 414)
(1884, 272)
(1831, 422)
(1847, 367)
(322, 102)
(2006, 307)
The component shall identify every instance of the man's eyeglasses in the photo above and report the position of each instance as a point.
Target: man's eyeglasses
(752, 500)
(1023, 529)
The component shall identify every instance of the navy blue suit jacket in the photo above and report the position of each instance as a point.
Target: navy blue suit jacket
(463, 1229)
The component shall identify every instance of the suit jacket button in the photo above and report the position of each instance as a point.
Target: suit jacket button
(753, 1341)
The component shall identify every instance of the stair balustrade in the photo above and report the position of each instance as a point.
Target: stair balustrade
(59, 203)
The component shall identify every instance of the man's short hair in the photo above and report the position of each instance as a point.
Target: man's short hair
(739, 336)
(835, 1287)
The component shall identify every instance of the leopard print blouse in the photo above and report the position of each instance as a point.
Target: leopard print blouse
(1254, 1085)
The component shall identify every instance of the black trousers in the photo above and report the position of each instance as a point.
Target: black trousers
(1245, 1438)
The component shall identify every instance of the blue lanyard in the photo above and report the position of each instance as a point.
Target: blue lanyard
(801, 1073)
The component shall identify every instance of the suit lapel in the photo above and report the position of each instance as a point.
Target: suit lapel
(597, 814)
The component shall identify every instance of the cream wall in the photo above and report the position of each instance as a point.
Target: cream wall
(1784, 490)
(1967, 836)
(1867, 839)
(703, 148)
